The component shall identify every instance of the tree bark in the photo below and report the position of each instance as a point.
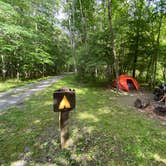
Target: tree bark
(104, 19)
(157, 50)
(136, 46)
(112, 38)
(83, 23)
(135, 55)
(71, 22)
(3, 68)
(164, 72)
(18, 72)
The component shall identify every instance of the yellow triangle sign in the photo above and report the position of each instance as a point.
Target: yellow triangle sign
(64, 103)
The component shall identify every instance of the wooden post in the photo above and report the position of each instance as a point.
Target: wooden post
(64, 128)
(64, 102)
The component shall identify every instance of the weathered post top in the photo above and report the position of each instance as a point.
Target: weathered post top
(64, 99)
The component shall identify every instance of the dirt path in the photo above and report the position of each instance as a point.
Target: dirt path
(17, 95)
(128, 99)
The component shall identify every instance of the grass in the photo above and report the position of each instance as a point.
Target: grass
(102, 131)
(13, 83)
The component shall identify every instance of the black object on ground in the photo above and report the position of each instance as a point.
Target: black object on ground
(159, 92)
(141, 103)
(160, 109)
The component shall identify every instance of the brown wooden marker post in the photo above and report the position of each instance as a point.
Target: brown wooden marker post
(64, 128)
(64, 102)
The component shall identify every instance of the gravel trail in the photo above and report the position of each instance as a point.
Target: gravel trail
(17, 95)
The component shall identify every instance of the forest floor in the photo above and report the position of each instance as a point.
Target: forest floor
(103, 131)
(18, 95)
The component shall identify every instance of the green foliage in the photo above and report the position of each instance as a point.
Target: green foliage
(35, 43)
(139, 30)
(31, 44)
(7, 12)
(95, 56)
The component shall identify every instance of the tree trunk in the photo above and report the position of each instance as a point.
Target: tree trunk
(3, 68)
(71, 23)
(135, 64)
(136, 49)
(164, 73)
(83, 24)
(43, 70)
(157, 50)
(18, 73)
(96, 72)
(104, 19)
(113, 51)
(84, 28)
(148, 69)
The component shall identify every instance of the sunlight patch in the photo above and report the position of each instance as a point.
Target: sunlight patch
(2, 131)
(158, 158)
(88, 116)
(104, 110)
(81, 91)
(36, 121)
(47, 103)
(19, 163)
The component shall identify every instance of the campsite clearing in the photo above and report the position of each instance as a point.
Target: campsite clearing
(102, 130)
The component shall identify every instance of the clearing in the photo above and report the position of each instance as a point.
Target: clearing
(103, 131)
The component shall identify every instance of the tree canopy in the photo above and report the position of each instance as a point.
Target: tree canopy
(96, 39)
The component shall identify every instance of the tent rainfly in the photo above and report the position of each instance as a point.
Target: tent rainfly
(126, 83)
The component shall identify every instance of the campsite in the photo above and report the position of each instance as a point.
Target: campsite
(83, 83)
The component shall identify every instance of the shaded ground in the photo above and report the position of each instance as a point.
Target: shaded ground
(127, 100)
(17, 95)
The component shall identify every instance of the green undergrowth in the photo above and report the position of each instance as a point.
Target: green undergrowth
(102, 132)
(13, 83)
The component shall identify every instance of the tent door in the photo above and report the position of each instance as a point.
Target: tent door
(130, 84)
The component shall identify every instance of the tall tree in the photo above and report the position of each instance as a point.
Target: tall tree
(112, 38)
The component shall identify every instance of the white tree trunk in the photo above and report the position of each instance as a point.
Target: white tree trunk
(3, 67)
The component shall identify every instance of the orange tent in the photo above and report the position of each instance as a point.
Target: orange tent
(126, 83)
